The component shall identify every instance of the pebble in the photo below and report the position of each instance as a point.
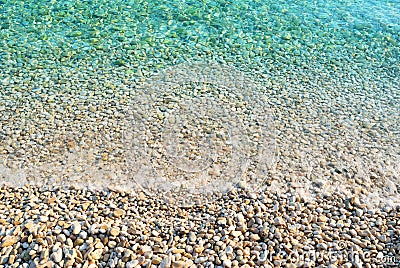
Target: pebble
(9, 240)
(200, 260)
(229, 252)
(30, 225)
(156, 260)
(236, 233)
(222, 221)
(279, 221)
(179, 264)
(322, 218)
(119, 213)
(166, 262)
(96, 254)
(254, 237)
(112, 244)
(76, 228)
(57, 255)
(61, 238)
(240, 219)
(132, 264)
(43, 219)
(192, 237)
(114, 231)
(227, 263)
(145, 249)
(382, 238)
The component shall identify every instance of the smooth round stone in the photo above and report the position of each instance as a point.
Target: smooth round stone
(76, 228)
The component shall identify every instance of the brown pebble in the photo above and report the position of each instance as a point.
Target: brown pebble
(119, 212)
(9, 240)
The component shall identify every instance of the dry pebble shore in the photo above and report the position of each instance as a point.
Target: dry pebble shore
(71, 227)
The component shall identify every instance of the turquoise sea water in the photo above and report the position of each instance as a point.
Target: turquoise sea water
(152, 34)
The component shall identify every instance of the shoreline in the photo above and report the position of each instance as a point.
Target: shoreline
(331, 130)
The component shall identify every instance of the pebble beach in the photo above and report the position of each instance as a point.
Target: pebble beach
(199, 134)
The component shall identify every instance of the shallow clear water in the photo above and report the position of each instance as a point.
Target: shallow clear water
(70, 71)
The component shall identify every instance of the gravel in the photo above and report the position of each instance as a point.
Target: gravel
(254, 233)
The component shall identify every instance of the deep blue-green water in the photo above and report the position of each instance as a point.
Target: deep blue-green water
(152, 34)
